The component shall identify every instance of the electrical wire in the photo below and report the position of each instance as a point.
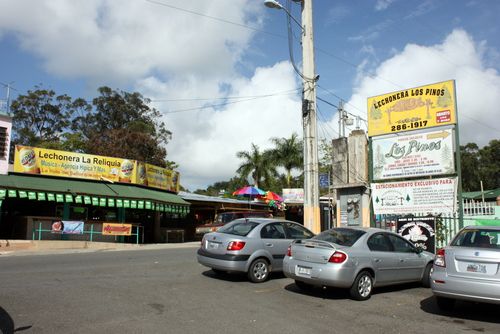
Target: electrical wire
(221, 104)
(214, 18)
(227, 97)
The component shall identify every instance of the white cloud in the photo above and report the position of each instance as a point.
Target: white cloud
(110, 41)
(205, 141)
(383, 4)
(460, 58)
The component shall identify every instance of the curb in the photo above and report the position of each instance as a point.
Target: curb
(41, 248)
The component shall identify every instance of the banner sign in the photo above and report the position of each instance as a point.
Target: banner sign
(33, 160)
(415, 197)
(418, 230)
(422, 154)
(116, 229)
(412, 109)
(157, 177)
(295, 195)
(72, 227)
(67, 227)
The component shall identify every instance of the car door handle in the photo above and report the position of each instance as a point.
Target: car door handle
(269, 245)
(376, 260)
(401, 260)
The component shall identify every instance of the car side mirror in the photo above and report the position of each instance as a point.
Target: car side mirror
(418, 249)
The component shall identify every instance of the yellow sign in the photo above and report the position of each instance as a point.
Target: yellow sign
(42, 161)
(412, 109)
(116, 229)
(157, 177)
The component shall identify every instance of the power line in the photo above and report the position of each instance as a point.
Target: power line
(214, 18)
(220, 104)
(227, 97)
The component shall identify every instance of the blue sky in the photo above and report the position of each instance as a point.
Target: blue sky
(193, 57)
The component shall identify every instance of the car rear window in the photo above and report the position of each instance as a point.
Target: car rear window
(241, 228)
(340, 236)
(477, 238)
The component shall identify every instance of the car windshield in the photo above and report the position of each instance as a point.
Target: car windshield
(241, 228)
(340, 236)
(478, 238)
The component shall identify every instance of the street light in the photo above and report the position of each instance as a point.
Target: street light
(309, 122)
(276, 5)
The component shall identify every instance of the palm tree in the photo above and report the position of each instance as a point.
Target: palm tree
(288, 153)
(256, 164)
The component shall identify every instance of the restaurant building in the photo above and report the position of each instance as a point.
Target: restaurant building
(58, 195)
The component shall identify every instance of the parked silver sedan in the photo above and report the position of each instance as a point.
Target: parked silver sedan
(255, 246)
(358, 259)
(469, 268)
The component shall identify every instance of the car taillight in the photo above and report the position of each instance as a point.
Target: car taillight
(439, 260)
(338, 257)
(236, 245)
(289, 251)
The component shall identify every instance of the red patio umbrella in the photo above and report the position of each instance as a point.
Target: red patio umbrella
(272, 196)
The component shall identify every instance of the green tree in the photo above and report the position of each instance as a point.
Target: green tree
(469, 158)
(123, 125)
(489, 157)
(42, 118)
(257, 165)
(288, 153)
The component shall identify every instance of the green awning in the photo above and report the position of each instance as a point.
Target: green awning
(66, 189)
(478, 195)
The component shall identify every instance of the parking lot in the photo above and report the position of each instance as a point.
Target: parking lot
(167, 291)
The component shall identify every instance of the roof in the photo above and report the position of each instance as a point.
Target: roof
(87, 187)
(488, 194)
(204, 198)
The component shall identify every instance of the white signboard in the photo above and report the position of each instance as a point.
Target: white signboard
(418, 197)
(293, 195)
(414, 155)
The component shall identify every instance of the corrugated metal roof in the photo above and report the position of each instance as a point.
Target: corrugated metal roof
(488, 194)
(204, 198)
(80, 187)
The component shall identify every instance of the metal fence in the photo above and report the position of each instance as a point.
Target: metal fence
(42, 230)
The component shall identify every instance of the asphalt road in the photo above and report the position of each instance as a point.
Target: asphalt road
(167, 291)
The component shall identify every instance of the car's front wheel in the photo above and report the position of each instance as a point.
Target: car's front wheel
(258, 271)
(362, 287)
(445, 304)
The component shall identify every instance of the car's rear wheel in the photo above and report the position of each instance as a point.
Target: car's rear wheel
(445, 304)
(258, 271)
(362, 287)
(303, 285)
(426, 278)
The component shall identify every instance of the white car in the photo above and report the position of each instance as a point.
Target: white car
(469, 268)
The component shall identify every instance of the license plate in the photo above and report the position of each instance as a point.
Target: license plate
(212, 245)
(476, 268)
(304, 271)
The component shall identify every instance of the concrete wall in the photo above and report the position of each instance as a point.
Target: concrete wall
(358, 157)
(5, 122)
(340, 162)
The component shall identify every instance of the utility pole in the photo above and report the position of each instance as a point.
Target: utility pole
(311, 166)
(340, 113)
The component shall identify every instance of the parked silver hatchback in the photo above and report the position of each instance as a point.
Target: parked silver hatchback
(469, 268)
(358, 259)
(255, 246)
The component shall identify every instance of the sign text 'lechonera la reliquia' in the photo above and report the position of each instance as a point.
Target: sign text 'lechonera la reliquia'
(33, 160)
